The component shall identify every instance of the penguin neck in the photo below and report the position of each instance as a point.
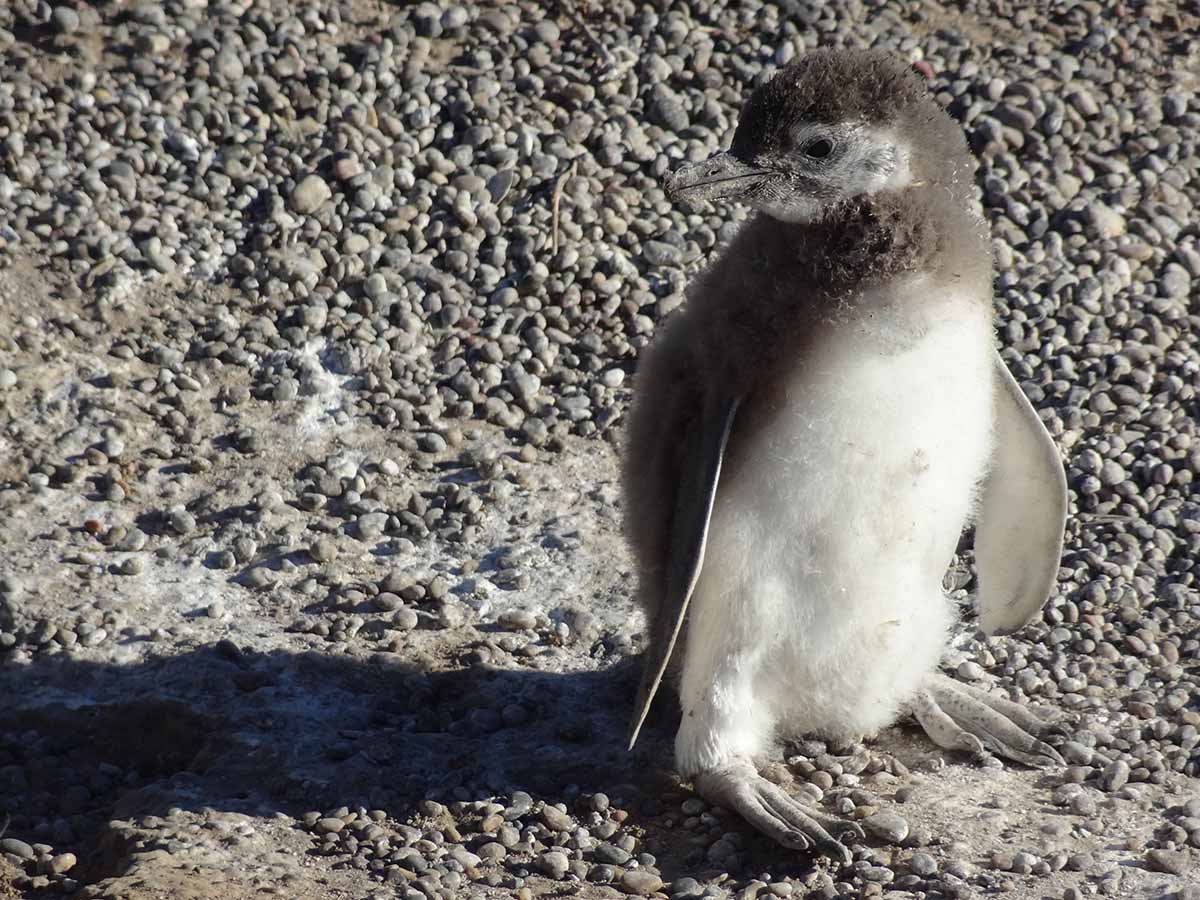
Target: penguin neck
(930, 228)
(781, 285)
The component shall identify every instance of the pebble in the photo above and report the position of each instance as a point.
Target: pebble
(65, 19)
(887, 826)
(923, 864)
(62, 863)
(132, 565)
(1171, 862)
(16, 847)
(371, 526)
(492, 850)
(1105, 221)
(554, 864)
(182, 522)
(556, 819)
(519, 804)
(323, 550)
(970, 671)
(665, 109)
(310, 194)
(405, 619)
(517, 620)
(1115, 775)
(1076, 753)
(610, 853)
(640, 882)
(1084, 804)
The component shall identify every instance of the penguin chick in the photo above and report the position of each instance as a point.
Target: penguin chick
(811, 434)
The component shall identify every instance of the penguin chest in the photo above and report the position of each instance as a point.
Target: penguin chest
(830, 538)
(872, 444)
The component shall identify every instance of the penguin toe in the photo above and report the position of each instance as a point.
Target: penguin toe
(963, 717)
(770, 810)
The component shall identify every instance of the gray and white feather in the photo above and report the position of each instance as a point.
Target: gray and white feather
(812, 433)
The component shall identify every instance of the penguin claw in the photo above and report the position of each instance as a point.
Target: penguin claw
(959, 716)
(772, 811)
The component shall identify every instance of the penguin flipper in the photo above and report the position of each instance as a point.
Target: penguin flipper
(1019, 529)
(699, 472)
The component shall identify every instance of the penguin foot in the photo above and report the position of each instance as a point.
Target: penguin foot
(959, 716)
(740, 788)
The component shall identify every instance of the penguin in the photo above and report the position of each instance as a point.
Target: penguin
(810, 435)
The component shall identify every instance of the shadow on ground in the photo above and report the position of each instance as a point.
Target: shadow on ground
(261, 733)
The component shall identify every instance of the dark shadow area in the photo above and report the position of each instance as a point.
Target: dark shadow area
(258, 733)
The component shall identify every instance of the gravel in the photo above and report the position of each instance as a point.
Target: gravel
(319, 321)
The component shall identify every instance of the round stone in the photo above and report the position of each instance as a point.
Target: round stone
(323, 550)
(923, 864)
(888, 826)
(640, 883)
(65, 19)
(310, 194)
(554, 864)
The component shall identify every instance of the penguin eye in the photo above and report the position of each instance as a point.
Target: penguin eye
(818, 148)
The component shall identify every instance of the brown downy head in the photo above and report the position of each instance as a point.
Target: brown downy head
(835, 126)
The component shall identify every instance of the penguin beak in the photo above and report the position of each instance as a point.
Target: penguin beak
(722, 176)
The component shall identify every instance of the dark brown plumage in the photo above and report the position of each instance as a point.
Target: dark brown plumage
(830, 86)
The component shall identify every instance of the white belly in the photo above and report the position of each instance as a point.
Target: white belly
(819, 607)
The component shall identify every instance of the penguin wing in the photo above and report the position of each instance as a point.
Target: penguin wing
(699, 472)
(1023, 510)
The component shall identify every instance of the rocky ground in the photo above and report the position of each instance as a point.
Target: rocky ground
(317, 324)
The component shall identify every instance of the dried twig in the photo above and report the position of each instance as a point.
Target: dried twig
(611, 68)
(569, 11)
(558, 189)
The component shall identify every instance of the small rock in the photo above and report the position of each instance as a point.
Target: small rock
(610, 853)
(665, 109)
(1115, 775)
(685, 888)
(499, 184)
(370, 526)
(518, 806)
(660, 253)
(182, 522)
(65, 19)
(878, 874)
(1076, 754)
(310, 194)
(554, 864)
(1170, 862)
(517, 620)
(492, 850)
(323, 550)
(62, 863)
(405, 619)
(16, 848)
(923, 864)
(888, 826)
(555, 819)
(970, 671)
(132, 565)
(640, 882)
(1105, 221)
